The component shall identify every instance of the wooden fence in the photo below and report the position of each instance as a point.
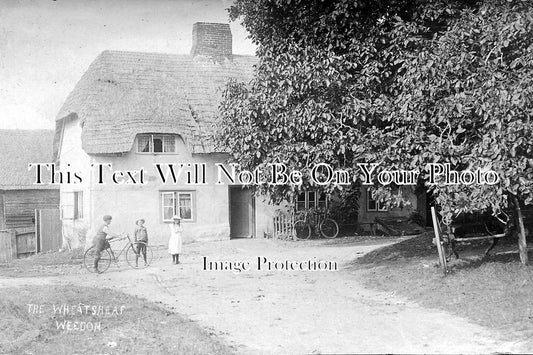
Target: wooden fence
(283, 225)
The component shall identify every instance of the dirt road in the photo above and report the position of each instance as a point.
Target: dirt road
(292, 312)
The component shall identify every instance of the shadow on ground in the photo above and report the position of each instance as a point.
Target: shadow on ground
(494, 290)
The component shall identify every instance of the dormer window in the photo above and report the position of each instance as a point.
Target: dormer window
(156, 143)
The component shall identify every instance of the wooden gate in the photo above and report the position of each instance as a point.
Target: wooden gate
(8, 247)
(48, 230)
(283, 225)
(25, 241)
(46, 236)
(15, 243)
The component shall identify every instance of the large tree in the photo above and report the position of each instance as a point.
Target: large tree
(467, 99)
(325, 81)
(401, 83)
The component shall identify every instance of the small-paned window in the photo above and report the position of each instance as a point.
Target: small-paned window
(156, 143)
(373, 205)
(311, 199)
(177, 203)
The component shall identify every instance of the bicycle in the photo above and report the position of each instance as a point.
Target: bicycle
(132, 253)
(319, 222)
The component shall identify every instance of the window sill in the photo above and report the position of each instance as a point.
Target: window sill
(159, 153)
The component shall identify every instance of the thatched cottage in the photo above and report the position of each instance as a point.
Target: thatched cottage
(134, 110)
(19, 196)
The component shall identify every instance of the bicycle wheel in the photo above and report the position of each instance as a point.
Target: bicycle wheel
(329, 228)
(90, 255)
(135, 257)
(302, 229)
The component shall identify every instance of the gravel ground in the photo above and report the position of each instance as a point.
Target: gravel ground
(290, 311)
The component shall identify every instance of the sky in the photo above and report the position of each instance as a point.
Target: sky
(47, 45)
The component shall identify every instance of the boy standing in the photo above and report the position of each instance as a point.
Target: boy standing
(101, 240)
(140, 235)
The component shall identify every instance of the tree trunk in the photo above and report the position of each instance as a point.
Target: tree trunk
(522, 243)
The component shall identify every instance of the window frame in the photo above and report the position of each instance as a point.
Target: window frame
(175, 201)
(72, 205)
(78, 205)
(151, 146)
(318, 201)
(379, 206)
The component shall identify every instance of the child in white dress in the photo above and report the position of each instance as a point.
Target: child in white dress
(174, 243)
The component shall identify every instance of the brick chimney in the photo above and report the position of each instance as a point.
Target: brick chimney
(211, 39)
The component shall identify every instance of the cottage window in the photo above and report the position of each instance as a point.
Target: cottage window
(321, 202)
(156, 143)
(144, 143)
(310, 199)
(78, 205)
(169, 144)
(168, 205)
(177, 203)
(185, 205)
(72, 205)
(373, 205)
(301, 201)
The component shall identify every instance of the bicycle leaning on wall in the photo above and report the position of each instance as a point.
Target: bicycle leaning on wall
(314, 220)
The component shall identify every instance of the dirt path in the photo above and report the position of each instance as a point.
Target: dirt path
(293, 311)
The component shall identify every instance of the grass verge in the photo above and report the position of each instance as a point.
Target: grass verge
(494, 291)
(48, 263)
(123, 325)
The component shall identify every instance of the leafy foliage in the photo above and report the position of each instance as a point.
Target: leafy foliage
(346, 210)
(466, 98)
(401, 83)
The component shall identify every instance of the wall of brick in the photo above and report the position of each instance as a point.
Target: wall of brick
(211, 39)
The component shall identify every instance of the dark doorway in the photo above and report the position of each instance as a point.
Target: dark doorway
(241, 212)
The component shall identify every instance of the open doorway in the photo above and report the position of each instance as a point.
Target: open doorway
(241, 212)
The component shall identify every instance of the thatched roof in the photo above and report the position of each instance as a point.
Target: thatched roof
(18, 148)
(123, 94)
